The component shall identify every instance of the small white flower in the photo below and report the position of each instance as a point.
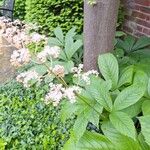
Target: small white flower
(36, 37)
(20, 57)
(26, 77)
(52, 51)
(59, 70)
(54, 95)
(70, 93)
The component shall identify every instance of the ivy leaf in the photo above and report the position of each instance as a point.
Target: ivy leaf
(128, 97)
(108, 66)
(146, 107)
(145, 128)
(123, 124)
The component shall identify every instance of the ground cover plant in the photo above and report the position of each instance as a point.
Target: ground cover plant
(114, 103)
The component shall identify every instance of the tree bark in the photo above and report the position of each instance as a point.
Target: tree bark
(99, 30)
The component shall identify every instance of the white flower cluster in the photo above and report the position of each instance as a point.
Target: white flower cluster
(48, 51)
(59, 70)
(26, 77)
(16, 33)
(83, 76)
(20, 57)
(36, 37)
(58, 92)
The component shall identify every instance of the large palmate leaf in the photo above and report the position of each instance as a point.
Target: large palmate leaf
(120, 141)
(126, 76)
(145, 128)
(146, 107)
(141, 43)
(99, 89)
(123, 124)
(127, 44)
(128, 97)
(108, 66)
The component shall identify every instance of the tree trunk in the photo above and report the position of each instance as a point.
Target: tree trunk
(99, 30)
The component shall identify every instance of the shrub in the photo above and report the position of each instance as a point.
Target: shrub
(52, 13)
(19, 9)
(26, 122)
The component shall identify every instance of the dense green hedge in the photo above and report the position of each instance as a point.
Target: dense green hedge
(52, 13)
(27, 123)
(20, 9)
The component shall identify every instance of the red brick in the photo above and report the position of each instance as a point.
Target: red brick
(141, 15)
(143, 2)
(145, 9)
(146, 31)
(143, 23)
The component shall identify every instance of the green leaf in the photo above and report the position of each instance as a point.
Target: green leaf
(146, 107)
(54, 42)
(120, 141)
(142, 142)
(99, 90)
(67, 110)
(148, 87)
(128, 97)
(108, 66)
(71, 33)
(141, 43)
(140, 79)
(126, 76)
(123, 124)
(80, 126)
(120, 34)
(127, 44)
(59, 34)
(94, 141)
(74, 47)
(145, 128)
(134, 109)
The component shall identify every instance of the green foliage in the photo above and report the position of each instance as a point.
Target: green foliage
(27, 123)
(133, 51)
(112, 108)
(52, 13)
(19, 12)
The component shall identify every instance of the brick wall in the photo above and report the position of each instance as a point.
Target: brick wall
(137, 20)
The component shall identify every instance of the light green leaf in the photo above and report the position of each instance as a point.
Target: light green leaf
(94, 141)
(126, 76)
(142, 142)
(68, 110)
(134, 109)
(54, 42)
(148, 87)
(59, 34)
(99, 90)
(71, 33)
(128, 97)
(40, 69)
(108, 66)
(145, 128)
(74, 47)
(120, 141)
(123, 124)
(80, 126)
(146, 107)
